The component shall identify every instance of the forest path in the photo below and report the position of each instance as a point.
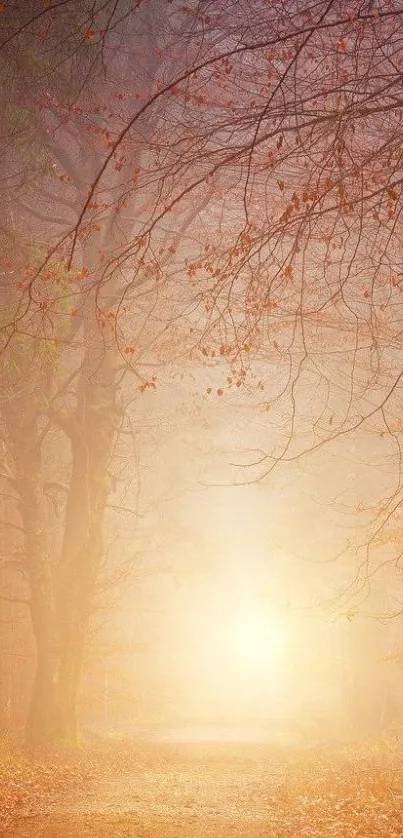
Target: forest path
(231, 789)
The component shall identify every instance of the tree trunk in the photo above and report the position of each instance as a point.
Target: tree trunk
(76, 588)
(42, 715)
(92, 441)
(68, 681)
(43, 718)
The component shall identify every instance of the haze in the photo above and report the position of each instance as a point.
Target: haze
(200, 418)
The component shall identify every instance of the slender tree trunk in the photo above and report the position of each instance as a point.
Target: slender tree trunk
(73, 613)
(94, 433)
(42, 722)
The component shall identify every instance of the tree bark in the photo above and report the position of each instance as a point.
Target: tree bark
(43, 716)
(91, 448)
(25, 447)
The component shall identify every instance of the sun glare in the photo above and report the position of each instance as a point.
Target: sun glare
(237, 662)
(259, 640)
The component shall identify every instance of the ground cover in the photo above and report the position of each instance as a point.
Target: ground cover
(190, 790)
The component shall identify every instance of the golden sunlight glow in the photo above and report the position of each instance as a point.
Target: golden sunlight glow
(259, 641)
(241, 656)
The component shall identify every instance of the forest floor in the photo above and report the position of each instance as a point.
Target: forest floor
(205, 789)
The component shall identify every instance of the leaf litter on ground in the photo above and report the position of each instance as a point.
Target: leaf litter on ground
(202, 789)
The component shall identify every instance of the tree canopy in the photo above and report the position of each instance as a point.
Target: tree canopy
(217, 182)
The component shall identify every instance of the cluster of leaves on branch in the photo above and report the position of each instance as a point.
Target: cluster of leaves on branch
(283, 132)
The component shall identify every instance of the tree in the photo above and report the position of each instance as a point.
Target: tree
(248, 185)
(64, 370)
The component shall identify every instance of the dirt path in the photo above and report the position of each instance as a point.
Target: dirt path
(231, 790)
